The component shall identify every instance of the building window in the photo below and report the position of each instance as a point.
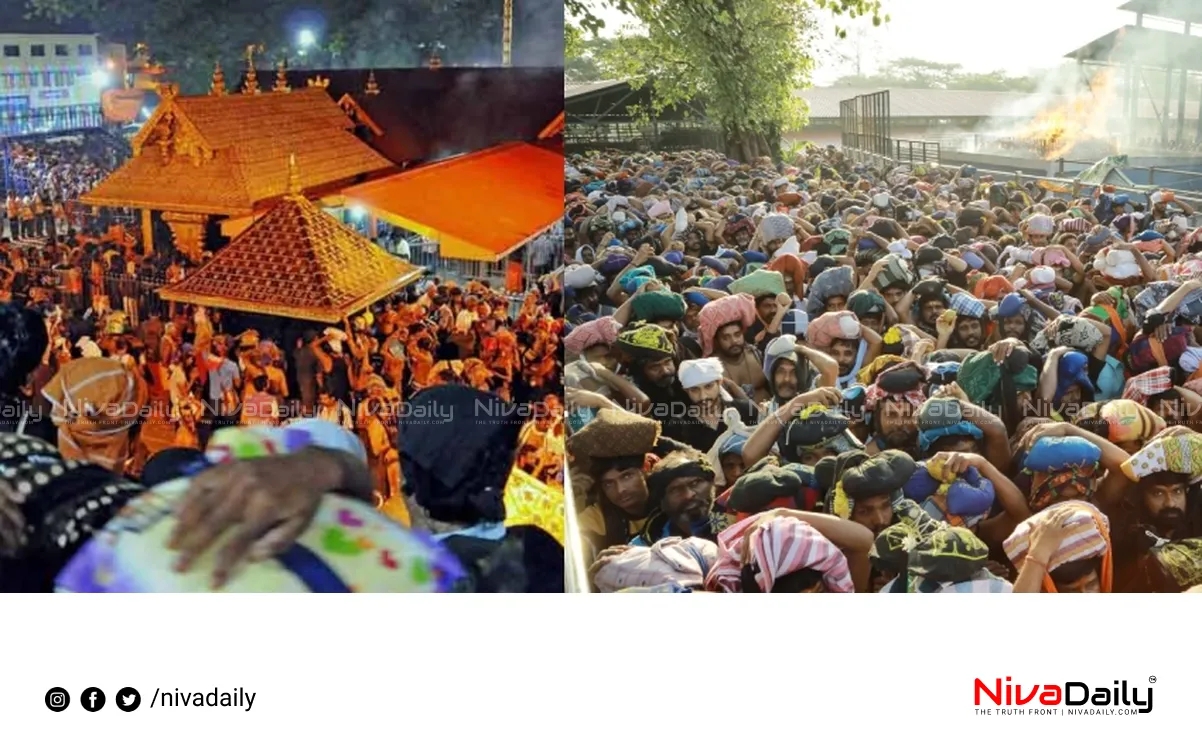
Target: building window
(37, 50)
(12, 50)
(47, 79)
(60, 50)
(85, 50)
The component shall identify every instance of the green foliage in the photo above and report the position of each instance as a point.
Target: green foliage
(744, 58)
(912, 72)
(589, 60)
(189, 36)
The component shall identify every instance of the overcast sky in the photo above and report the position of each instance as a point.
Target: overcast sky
(1019, 36)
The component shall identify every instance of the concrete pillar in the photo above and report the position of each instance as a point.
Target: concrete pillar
(1164, 109)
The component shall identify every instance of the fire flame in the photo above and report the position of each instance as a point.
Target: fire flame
(1079, 117)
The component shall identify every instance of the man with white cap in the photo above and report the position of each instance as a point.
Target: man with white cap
(701, 423)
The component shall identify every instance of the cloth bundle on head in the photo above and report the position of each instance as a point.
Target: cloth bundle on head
(946, 560)
(1143, 386)
(636, 277)
(775, 548)
(580, 277)
(764, 487)
(1055, 462)
(672, 560)
(837, 241)
(1051, 256)
(865, 303)
(869, 373)
(737, 308)
(904, 382)
(613, 434)
(1073, 370)
(95, 404)
(885, 474)
(1040, 224)
(1088, 537)
(658, 305)
(993, 287)
(816, 429)
(960, 500)
(834, 282)
(941, 417)
(1121, 421)
(830, 326)
(602, 331)
(699, 372)
(761, 283)
(980, 377)
(776, 227)
(458, 473)
(1074, 332)
(646, 342)
(1180, 454)
(966, 306)
(1180, 564)
(895, 273)
(1152, 295)
(688, 464)
(789, 265)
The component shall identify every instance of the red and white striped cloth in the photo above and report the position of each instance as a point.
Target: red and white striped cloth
(779, 546)
(1088, 535)
(1142, 386)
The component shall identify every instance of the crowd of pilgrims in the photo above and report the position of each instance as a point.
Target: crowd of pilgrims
(135, 395)
(47, 176)
(826, 375)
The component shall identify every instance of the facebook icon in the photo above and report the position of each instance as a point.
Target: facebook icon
(92, 699)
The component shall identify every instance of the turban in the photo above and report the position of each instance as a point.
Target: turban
(834, 282)
(866, 303)
(1088, 536)
(646, 343)
(95, 404)
(826, 328)
(672, 560)
(658, 305)
(761, 283)
(737, 308)
(992, 287)
(699, 372)
(1179, 454)
(774, 549)
(602, 331)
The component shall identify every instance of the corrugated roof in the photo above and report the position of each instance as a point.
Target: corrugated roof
(225, 154)
(297, 261)
(1147, 47)
(1178, 10)
(523, 189)
(571, 90)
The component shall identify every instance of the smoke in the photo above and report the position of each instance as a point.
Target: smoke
(1079, 110)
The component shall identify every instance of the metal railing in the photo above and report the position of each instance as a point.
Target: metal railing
(916, 151)
(14, 123)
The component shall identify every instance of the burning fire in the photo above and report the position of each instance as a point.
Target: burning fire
(1079, 117)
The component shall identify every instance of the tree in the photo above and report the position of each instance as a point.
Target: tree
(189, 36)
(911, 72)
(587, 61)
(745, 59)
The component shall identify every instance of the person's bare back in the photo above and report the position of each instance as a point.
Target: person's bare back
(746, 373)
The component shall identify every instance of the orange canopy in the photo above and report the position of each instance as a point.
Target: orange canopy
(480, 207)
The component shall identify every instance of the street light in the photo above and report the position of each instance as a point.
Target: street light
(100, 78)
(306, 38)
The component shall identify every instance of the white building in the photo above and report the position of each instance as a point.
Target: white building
(51, 75)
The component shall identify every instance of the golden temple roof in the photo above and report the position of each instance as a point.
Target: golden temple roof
(227, 154)
(296, 261)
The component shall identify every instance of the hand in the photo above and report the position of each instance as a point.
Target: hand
(951, 391)
(1162, 332)
(644, 253)
(1003, 348)
(959, 462)
(1048, 535)
(921, 349)
(1173, 431)
(828, 396)
(267, 503)
(650, 286)
(1102, 299)
(946, 323)
(604, 558)
(12, 522)
(784, 301)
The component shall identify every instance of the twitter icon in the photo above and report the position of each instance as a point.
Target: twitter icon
(128, 699)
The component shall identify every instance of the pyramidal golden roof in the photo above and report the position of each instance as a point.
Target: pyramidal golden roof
(296, 261)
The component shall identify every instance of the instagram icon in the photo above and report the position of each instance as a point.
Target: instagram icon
(57, 699)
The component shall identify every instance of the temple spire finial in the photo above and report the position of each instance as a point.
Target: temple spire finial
(294, 183)
(218, 85)
(373, 88)
(251, 86)
(281, 78)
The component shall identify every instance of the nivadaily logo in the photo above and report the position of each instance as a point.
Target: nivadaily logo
(1069, 698)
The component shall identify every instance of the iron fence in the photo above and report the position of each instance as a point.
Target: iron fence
(916, 151)
(21, 122)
